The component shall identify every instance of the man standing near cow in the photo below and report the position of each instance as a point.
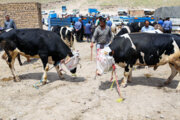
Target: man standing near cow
(78, 26)
(167, 26)
(102, 36)
(147, 27)
(9, 23)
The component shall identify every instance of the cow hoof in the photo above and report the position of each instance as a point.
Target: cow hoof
(17, 79)
(166, 83)
(44, 82)
(123, 85)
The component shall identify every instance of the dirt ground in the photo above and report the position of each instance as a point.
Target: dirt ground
(84, 98)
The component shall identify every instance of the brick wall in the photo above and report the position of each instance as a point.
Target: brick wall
(25, 15)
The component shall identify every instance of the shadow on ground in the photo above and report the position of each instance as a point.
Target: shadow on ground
(31, 62)
(52, 76)
(152, 82)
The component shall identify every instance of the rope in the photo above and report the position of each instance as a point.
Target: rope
(118, 88)
(37, 83)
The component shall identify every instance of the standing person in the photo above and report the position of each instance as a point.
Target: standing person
(88, 31)
(9, 23)
(78, 27)
(160, 21)
(97, 21)
(82, 29)
(109, 23)
(147, 27)
(92, 27)
(167, 26)
(102, 36)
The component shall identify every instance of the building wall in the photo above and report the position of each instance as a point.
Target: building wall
(136, 13)
(25, 15)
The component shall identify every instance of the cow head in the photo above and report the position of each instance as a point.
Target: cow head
(56, 29)
(72, 61)
(137, 26)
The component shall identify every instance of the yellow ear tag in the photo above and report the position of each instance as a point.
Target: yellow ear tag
(119, 100)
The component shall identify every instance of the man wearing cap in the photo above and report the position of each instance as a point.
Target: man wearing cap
(78, 26)
(102, 36)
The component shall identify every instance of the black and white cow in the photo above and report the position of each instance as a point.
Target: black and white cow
(67, 34)
(36, 43)
(146, 49)
(132, 27)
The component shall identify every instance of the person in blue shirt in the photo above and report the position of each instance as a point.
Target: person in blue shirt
(167, 26)
(88, 31)
(109, 23)
(160, 21)
(78, 26)
(147, 27)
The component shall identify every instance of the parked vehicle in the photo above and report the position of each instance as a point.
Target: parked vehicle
(122, 12)
(93, 11)
(64, 10)
(116, 20)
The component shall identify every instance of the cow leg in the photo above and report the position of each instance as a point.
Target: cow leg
(173, 74)
(44, 59)
(130, 76)
(11, 60)
(44, 78)
(19, 59)
(126, 76)
(59, 72)
(4, 56)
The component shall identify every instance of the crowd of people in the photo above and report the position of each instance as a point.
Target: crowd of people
(88, 29)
